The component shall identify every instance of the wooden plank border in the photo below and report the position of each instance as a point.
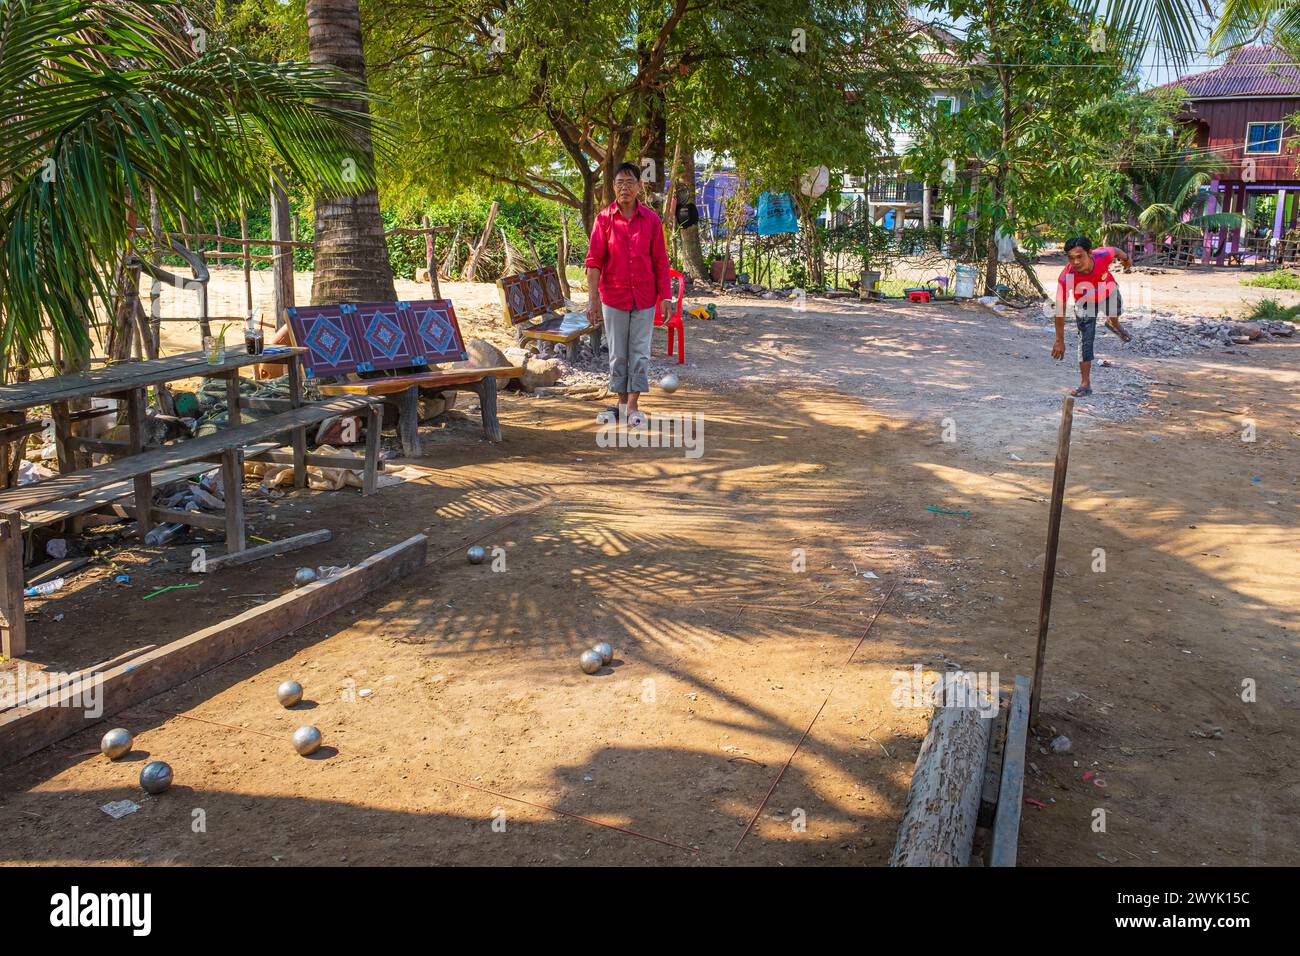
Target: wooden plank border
(42, 721)
(1006, 822)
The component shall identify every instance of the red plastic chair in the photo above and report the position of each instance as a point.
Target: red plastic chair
(674, 322)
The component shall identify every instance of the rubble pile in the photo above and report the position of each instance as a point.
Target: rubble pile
(1163, 334)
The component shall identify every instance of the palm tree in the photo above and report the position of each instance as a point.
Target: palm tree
(351, 254)
(1166, 198)
(1245, 21)
(107, 102)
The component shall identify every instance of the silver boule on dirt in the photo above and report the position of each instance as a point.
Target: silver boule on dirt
(669, 382)
(156, 776)
(589, 662)
(289, 693)
(475, 554)
(306, 740)
(116, 743)
(605, 651)
(304, 576)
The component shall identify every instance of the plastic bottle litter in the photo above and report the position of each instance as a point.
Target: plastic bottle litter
(164, 533)
(49, 587)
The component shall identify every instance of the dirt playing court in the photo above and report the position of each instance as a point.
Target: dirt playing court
(452, 700)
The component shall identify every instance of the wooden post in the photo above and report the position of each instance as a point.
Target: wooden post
(155, 284)
(482, 244)
(299, 433)
(136, 412)
(562, 257)
(233, 417)
(1049, 558)
(13, 639)
(374, 427)
(282, 264)
(232, 484)
(430, 262)
(408, 422)
(247, 259)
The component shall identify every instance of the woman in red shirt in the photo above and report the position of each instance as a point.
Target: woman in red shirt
(1088, 280)
(627, 275)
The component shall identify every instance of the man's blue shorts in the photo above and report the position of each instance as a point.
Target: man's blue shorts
(1085, 317)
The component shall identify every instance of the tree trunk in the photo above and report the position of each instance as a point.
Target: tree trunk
(351, 254)
(692, 255)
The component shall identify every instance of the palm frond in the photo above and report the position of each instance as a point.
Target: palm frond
(108, 103)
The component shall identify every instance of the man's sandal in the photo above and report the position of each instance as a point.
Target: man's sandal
(1114, 326)
(608, 417)
(1080, 392)
(636, 419)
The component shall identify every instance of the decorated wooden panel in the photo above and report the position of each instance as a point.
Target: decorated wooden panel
(384, 336)
(434, 331)
(530, 294)
(329, 334)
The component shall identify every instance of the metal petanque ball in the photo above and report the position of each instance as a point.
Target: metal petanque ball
(289, 693)
(116, 743)
(156, 776)
(669, 382)
(590, 662)
(476, 554)
(304, 576)
(306, 740)
(605, 651)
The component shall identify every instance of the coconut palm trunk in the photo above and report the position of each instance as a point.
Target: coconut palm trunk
(351, 254)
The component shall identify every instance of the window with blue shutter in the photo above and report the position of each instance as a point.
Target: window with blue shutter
(1263, 138)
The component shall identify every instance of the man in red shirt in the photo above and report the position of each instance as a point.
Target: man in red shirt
(627, 275)
(1088, 280)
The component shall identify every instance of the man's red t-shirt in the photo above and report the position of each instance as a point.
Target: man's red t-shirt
(1094, 286)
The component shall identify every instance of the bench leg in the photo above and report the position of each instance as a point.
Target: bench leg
(408, 422)
(136, 414)
(13, 638)
(374, 427)
(487, 403)
(232, 482)
(62, 432)
(299, 434)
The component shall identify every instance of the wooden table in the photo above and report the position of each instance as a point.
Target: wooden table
(129, 382)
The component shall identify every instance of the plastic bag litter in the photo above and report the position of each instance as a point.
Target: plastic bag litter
(318, 478)
(30, 471)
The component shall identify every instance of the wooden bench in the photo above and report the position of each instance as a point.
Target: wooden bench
(398, 343)
(53, 499)
(531, 303)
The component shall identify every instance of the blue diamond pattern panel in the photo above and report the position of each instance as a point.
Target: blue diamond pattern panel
(434, 326)
(329, 335)
(385, 341)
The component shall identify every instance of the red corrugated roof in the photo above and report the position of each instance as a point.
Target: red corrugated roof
(1250, 71)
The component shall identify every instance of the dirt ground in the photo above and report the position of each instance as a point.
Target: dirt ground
(452, 701)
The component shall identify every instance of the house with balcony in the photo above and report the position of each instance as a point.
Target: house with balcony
(893, 198)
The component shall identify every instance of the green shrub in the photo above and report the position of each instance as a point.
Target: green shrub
(1270, 310)
(1278, 279)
